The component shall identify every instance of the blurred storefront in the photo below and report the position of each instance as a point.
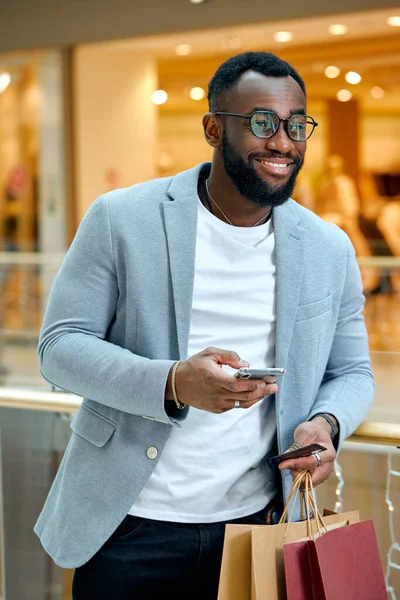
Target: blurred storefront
(76, 123)
(36, 212)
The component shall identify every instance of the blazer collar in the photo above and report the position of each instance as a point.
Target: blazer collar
(185, 184)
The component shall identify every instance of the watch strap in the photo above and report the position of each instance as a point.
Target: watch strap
(328, 418)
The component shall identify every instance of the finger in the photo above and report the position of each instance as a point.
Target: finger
(251, 396)
(229, 404)
(295, 446)
(226, 357)
(318, 475)
(234, 385)
(308, 463)
(269, 379)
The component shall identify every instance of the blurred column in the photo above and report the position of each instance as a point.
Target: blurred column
(52, 184)
(344, 135)
(115, 121)
(52, 178)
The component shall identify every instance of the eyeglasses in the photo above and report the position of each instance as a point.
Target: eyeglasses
(265, 124)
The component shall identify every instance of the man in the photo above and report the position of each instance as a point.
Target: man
(168, 288)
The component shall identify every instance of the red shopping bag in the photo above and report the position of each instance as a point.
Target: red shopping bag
(338, 562)
(345, 563)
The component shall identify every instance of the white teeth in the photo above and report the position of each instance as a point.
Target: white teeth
(273, 164)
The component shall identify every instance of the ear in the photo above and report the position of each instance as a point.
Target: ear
(212, 130)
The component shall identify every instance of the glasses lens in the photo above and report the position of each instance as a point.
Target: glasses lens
(300, 127)
(264, 124)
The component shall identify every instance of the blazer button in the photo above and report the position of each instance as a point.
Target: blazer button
(152, 453)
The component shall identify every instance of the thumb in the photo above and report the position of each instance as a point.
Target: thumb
(229, 357)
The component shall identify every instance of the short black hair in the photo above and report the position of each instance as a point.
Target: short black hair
(229, 73)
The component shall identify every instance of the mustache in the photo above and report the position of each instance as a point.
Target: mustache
(294, 159)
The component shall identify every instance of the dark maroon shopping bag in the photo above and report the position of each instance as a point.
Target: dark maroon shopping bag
(345, 564)
(297, 571)
(342, 563)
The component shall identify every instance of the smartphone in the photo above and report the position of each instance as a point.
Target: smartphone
(300, 453)
(259, 373)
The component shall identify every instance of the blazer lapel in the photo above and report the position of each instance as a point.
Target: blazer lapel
(180, 216)
(290, 246)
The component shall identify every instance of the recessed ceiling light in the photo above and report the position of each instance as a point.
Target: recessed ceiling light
(332, 72)
(353, 77)
(5, 80)
(183, 49)
(197, 1)
(197, 93)
(283, 36)
(338, 29)
(377, 92)
(159, 97)
(344, 95)
(393, 21)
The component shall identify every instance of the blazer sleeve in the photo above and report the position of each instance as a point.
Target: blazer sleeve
(74, 353)
(347, 390)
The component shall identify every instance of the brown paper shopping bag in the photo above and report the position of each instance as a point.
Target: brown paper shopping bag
(252, 562)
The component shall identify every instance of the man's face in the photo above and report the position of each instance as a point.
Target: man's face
(263, 170)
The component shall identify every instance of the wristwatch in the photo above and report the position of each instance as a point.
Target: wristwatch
(328, 418)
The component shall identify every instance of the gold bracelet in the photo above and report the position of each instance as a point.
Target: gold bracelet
(179, 405)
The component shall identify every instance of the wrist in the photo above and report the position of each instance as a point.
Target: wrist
(168, 387)
(328, 422)
(171, 393)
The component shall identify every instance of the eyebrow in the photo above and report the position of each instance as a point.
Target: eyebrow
(293, 111)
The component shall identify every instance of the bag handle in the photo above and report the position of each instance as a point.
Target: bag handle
(307, 501)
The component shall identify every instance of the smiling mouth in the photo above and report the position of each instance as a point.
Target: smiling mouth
(280, 168)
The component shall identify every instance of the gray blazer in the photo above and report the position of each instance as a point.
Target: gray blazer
(119, 315)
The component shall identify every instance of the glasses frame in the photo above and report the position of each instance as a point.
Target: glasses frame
(284, 121)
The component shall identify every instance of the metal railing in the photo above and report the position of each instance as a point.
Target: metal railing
(386, 434)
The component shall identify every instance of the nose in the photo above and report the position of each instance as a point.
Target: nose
(280, 141)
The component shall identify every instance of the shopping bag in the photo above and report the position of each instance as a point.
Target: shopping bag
(345, 564)
(340, 561)
(267, 558)
(298, 579)
(252, 562)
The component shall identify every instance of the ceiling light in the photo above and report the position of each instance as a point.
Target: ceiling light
(5, 80)
(338, 29)
(283, 36)
(183, 49)
(197, 93)
(332, 72)
(393, 21)
(197, 1)
(344, 95)
(353, 77)
(159, 97)
(377, 92)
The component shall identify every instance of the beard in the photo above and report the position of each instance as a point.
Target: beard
(249, 183)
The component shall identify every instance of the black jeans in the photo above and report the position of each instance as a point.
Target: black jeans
(146, 560)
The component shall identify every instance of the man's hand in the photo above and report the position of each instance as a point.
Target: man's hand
(201, 382)
(319, 431)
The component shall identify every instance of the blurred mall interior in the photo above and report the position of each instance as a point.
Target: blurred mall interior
(78, 119)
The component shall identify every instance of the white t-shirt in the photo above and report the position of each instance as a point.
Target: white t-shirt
(212, 467)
